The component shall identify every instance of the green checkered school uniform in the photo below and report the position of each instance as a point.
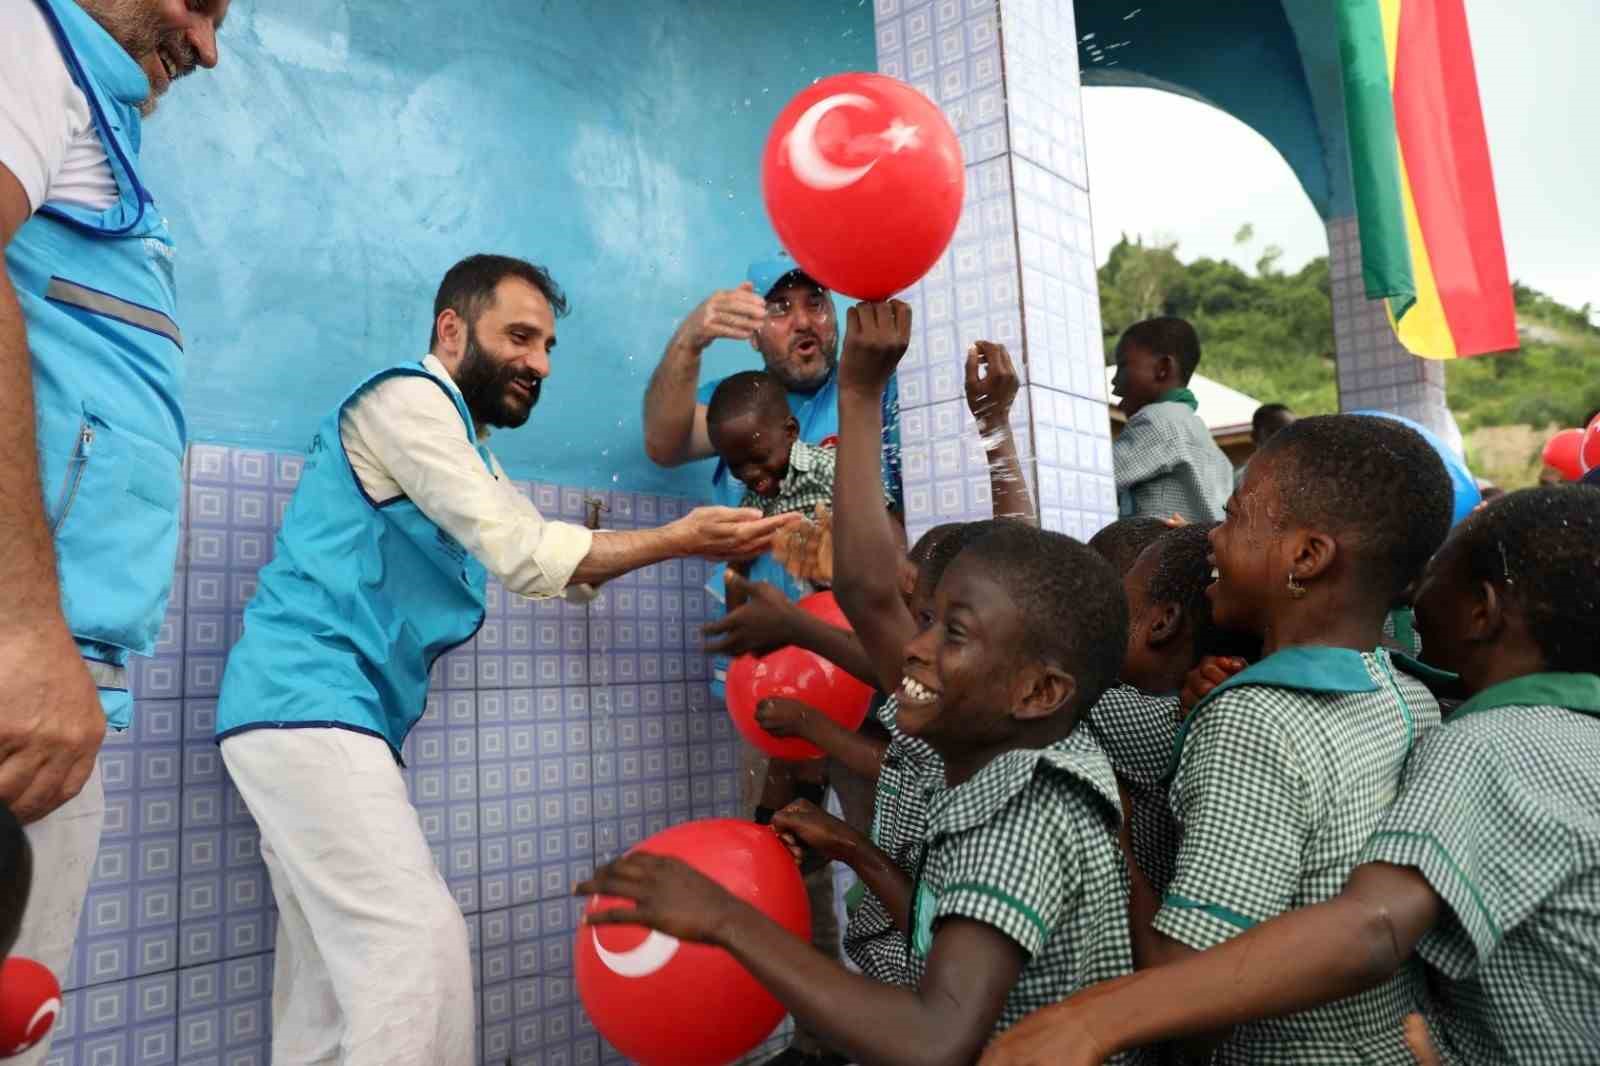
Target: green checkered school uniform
(1166, 462)
(808, 483)
(910, 771)
(1282, 773)
(1029, 846)
(1500, 812)
(1137, 731)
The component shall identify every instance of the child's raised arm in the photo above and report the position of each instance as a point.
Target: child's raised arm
(989, 399)
(866, 548)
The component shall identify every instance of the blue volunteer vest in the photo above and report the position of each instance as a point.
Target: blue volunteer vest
(359, 600)
(818, 415)
(97, 291)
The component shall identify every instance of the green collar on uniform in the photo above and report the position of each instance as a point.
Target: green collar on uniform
(1304, 667)
(982, 797)
(1183, 396)
(802, 455)
(1575, 692)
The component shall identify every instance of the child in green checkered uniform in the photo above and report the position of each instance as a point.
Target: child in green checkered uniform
(1488, 863)
(1170, 627)
(751, 427)
(1283, 771)
(1019, 894)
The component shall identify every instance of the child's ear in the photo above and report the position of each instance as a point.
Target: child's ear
(1314, 553)
(1165, 623)
(1167, 370)
(1046, 690)
(791, 429)
(1489, 614)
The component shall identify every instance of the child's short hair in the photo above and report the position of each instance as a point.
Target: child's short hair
(1123, 541)
(16, 878)
(747, 392)
(1167, 336)
(1181, 576)
(1074, 612)
(1373, 480)
(935, 549)
(1539, 545)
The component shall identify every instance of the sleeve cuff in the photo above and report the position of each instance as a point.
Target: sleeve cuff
(1199, 925)
(1453, 947)
(993, 907)
(562, 546)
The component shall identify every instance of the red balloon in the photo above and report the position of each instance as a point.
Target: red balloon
(798, 675)
(863, 180)
(662, 1002)
(30, 1002)
(1562, 452)
(1589, 450)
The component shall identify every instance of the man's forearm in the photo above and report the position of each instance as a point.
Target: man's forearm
(669, 404)
(29, 594)
(614, 553)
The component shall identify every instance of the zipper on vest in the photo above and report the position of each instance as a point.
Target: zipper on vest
(73, 477)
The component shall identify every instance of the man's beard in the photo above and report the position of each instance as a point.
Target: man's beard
(485, 385)
(134, 24)
(791, 377)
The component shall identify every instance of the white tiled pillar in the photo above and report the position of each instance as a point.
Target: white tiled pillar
(1375, 372)
(1021, 269)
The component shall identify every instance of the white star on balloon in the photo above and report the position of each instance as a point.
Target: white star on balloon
(900, 136)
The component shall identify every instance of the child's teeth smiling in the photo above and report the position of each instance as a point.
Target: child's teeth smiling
(914, 691)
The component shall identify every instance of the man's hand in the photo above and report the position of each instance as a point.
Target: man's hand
(785, 718)
(760, 623)
(875, 339)
(667, 894)
(727, 532)
(51, 722)
(1207, 674)
(734, 314)
(803, 825)
(989, 396)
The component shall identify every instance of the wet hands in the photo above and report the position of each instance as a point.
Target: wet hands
(727, 532)
(876, 338)
(992, 384)
(666, 894)
(761, 621)
(733, 314)
(805, 549)
(51, 721)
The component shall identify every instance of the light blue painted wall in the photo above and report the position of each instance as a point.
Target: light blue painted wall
(346, 152)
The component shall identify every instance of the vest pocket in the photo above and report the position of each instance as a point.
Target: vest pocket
(114, 519)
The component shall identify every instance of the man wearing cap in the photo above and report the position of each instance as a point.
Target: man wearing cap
(791, 320)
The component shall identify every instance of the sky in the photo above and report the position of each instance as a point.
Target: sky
(1540, 83)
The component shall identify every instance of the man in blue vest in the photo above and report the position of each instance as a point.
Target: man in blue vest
(380, 568)
(791, 321)
(91, 422)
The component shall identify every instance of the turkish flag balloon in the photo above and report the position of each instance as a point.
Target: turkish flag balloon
(30, 1002)
(1562, 452)
(796, 674)
(662, 1002)
(863, 180)
(1589, 452)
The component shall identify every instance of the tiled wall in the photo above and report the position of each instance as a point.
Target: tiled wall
(1020, 270)
(1375, 372)
(559, 737)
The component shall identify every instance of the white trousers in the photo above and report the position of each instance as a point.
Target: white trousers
(372, 966)
(64, 845)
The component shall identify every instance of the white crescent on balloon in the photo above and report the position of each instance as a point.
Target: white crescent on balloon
(806, 159)
(652, 954)
(50, 1008)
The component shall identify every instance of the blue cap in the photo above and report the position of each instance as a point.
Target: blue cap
(767, 274)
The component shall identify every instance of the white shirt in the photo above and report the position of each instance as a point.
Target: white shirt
(47, 134)
(404, 438)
